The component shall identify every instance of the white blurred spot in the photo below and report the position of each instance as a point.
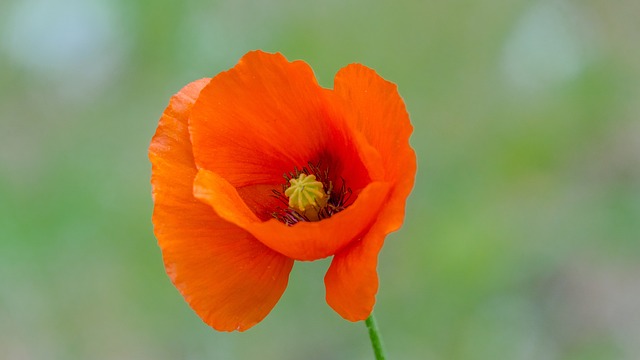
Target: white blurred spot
(550, 44)
(70, 41)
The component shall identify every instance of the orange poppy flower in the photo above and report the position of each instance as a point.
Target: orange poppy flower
(228, 223)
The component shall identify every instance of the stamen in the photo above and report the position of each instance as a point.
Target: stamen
(310, 195)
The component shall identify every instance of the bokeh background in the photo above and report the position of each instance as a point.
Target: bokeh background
(522, 236)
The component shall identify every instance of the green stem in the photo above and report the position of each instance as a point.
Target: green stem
(374, 335)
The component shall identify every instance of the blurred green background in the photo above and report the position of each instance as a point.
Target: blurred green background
(522, 236)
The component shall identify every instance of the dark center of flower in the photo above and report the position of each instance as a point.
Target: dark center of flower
(310, 195)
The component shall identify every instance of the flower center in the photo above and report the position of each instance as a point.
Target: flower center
(306, 193)
(310, 196)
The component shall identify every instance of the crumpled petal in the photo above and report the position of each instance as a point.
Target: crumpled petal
(229, 278)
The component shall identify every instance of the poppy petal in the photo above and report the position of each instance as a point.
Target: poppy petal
(256, 121)
(305, 240)
(230, 279)
(351, 281)
(375, 109)
(267, 116)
